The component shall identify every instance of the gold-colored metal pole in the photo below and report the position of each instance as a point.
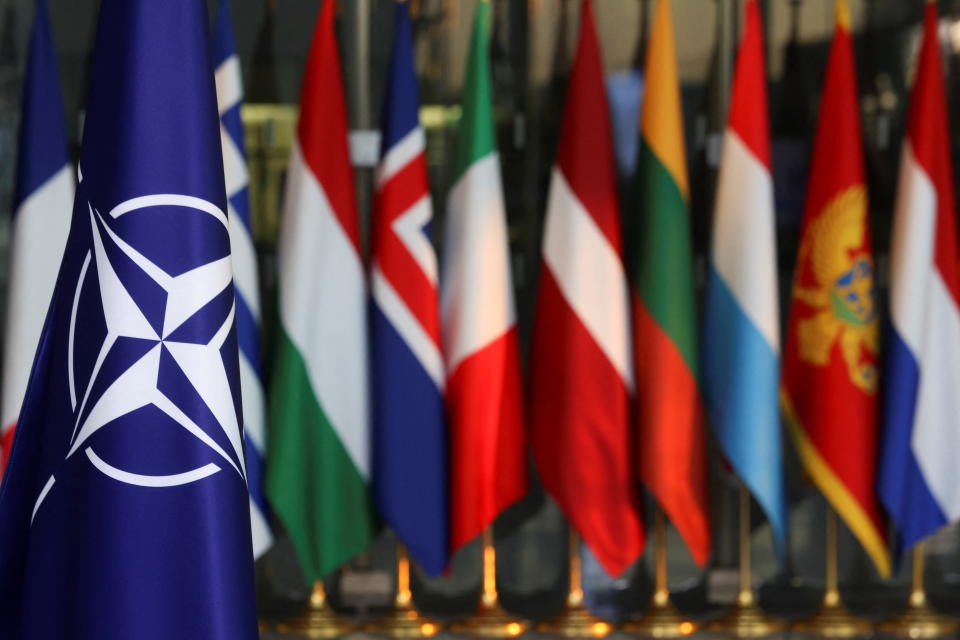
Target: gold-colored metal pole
(404, 621)
(575, 621)
(319, 620)
(747, 619)
(490, 621)
(920, 620)
(661, 620)
(833, 620)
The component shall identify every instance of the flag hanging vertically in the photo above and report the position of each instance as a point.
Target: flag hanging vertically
(921, 417)
(484, 402)
(43, 201)
(741, 334)
(830, 367)
(125, 508)
(582, 366)
(670, 440)
(409, 431)
(318, 465)
(245, 279)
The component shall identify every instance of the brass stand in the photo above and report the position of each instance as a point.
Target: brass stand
(919, 620)
(833, 620)
(575, 621)
(661, 619)
(746, 620)
(319, 621)
(490, 620)
(404, 621)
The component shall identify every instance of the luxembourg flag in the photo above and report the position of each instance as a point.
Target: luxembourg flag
(245, 279)
(43, 204)
(921, 418)
(409, 433)
(741, 349)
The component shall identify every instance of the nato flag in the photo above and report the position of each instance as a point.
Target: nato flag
(124, 513)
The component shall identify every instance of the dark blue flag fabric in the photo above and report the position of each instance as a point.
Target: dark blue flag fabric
(124, 513)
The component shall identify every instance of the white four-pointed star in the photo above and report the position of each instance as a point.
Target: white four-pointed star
(137, 386)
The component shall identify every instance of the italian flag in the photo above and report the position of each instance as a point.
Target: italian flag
(487, 463)
(318, 449)
(672, 458)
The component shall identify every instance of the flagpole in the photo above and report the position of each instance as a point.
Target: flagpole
(490, 620)
(319, 620)
(404, 621)
(833, 620)
(920, 620)
(661, 619)
(575, 621)
(747, 619)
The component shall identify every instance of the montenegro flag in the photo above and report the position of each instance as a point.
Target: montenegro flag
(830, 374)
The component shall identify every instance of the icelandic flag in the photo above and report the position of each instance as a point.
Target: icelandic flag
(41, 220)
(125, 508)
(245, 278)
(741, 347)
(409, 433)
(921, 412)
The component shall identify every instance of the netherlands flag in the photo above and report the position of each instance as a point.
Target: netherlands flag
(43, 204)
(409, 434)
(921, 419)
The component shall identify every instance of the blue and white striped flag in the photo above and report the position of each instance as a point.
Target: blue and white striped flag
(230, 99)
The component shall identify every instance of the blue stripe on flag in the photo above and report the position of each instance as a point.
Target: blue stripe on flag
(401, 102)
(248, 334)
(408, 429)
(42, 147)
(740, 375)
(902, 487)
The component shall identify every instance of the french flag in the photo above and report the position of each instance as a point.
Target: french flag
(43, 204)
(921, 419)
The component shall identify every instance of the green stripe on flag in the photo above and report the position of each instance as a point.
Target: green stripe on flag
(475, 134)
(664, 263)
(312, 483)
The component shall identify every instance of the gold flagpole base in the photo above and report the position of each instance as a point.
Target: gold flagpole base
(834, 621)
(662, 620)
(575, 622)
(490, 621)
(404, 623)
(747, 621)
(318, 621)
(920, 621)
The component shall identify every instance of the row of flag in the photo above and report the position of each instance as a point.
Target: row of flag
(136, 485)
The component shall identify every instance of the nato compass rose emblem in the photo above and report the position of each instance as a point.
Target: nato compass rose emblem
(157, 396)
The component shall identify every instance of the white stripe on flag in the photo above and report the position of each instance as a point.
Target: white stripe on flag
(244, 264)
(409, 227)
(323, 307)
(400, 155)
(590, 274)
(234, 164)
(229, 84)
(744, 239)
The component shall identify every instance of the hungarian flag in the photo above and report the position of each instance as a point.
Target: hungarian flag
(582, 366)
(318, 465)
(830, 368)
(672, 456)
(43, 201)
(484, 402)
(921, 417)
(741, 346)
(409, 430)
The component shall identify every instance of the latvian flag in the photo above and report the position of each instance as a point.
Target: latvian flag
(409, 434)
(921, 417)
(43, 204)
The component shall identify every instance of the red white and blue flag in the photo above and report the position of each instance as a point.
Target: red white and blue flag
(42, 206)
(409, 434)
(921, 418)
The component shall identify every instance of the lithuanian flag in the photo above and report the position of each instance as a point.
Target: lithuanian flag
(830, 372)
(672, 460)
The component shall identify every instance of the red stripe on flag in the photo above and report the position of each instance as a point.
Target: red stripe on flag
(322, 130)
(580, 432)
(672, 457)
(487, 459)
(6, 444)
(748, 107)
